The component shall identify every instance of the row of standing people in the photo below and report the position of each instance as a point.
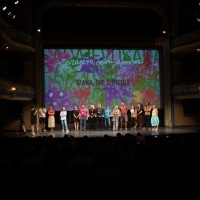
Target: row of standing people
(42, 112)
(96, 116)
(145, 116)
(140, 116)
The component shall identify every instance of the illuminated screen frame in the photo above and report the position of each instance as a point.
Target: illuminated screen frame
(106, 76)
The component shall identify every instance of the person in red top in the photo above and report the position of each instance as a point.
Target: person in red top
(124, 117)
(83, 115)
(51, 118)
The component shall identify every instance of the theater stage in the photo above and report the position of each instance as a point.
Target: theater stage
(78, 134)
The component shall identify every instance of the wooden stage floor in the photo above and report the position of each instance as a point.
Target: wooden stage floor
(78, 134)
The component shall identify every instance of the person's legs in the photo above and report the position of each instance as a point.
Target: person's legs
(32, 129)
(65, 123)
(108, 123)
(91, 123)
(141, 121)
(97, 123)
(145, 120)
(41, 125)
(44, 124)
(99, 120)
(81, 123)
(62, 123)
(84, 124)
(121, 122)
(77, 126)
(125, 121)
(114, 123)
(117, 123)
(125, 124)
(100, 123)
(105, 123)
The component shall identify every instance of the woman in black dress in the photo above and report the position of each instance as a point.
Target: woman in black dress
(140, 115)
(76, 118)
(33, 119)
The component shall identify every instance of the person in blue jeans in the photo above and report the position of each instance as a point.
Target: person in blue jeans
(106, 114)
(83, 115)
(63, 118)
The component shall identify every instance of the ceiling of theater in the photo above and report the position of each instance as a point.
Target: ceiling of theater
(105, 21)
(115, 22)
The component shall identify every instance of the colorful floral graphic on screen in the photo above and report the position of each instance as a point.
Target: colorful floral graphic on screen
(106, 76)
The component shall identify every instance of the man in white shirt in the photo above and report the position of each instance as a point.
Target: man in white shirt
(42, 118)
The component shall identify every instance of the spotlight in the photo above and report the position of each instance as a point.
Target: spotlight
(198, 19)
(13, 16)
(38, 30)
(168, 33)
(16, 2)
(9, 13)
(13, 92)
(4, 8)
(13, 88)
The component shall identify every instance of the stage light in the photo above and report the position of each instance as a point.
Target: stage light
(16, 2)
(13, 88)
(13, 16)
(4, 8)
(198, 19)
(38, 30)
(9, 13)
(168, 33)
(13, 92)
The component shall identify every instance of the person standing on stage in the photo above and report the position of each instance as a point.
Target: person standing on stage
(63, 119)
(92, 113)
(33, 119)
(107, 113)
(133, 111)
(147, 115)
(140, 115)
(116, 114)
(124, 117)
(76, 118)
(99, 117)
(154, 118)
(83, 115)
(42, 118)
(51, 118)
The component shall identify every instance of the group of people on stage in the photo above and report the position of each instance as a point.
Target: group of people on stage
(145, 116)
(51, 118)
(141, 116)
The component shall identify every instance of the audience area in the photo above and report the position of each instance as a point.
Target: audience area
(164, 165)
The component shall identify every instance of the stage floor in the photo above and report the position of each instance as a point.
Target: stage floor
(146, 132)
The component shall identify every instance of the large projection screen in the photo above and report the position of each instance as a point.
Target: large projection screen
(107, 76)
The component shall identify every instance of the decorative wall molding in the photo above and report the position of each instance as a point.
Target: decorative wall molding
(22, 90)
(186, 89)
(187, 40)
(15, 36)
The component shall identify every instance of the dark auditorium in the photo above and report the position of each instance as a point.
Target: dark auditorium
(99, 98)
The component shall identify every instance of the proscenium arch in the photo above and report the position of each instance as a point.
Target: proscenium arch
(124, 5)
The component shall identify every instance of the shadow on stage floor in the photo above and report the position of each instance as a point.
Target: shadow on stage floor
(179, 130)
